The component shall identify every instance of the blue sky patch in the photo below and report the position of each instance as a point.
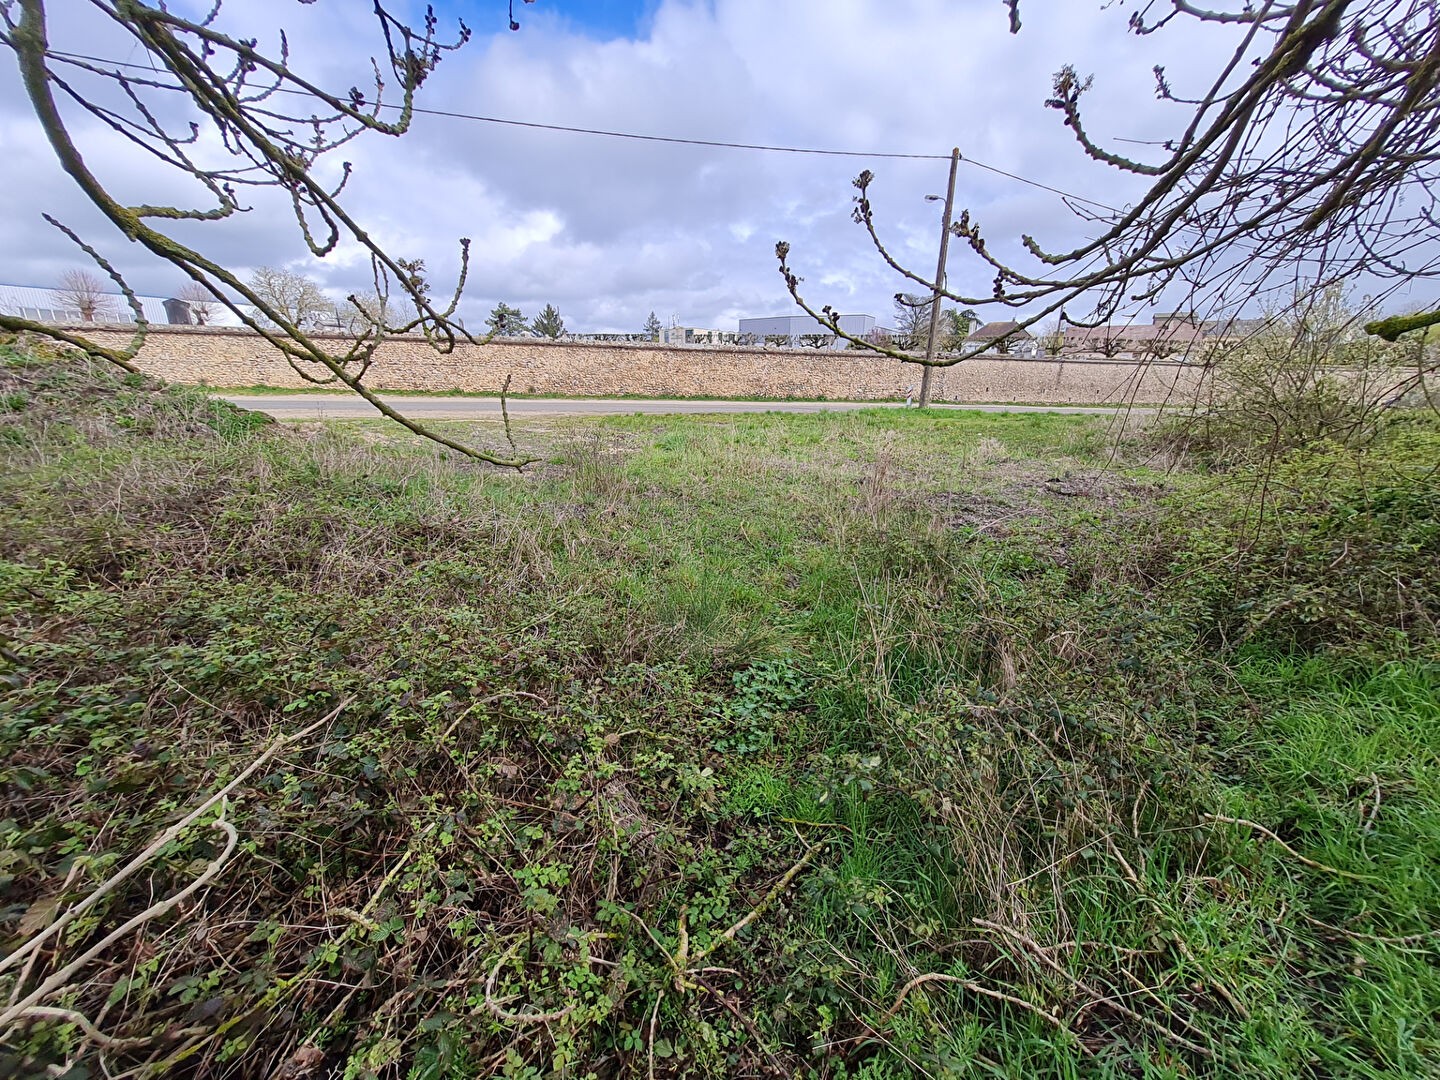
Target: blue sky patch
(603, 19)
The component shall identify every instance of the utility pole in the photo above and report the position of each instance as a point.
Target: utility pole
(939, 282)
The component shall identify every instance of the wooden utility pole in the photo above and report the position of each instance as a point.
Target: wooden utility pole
(934, 337)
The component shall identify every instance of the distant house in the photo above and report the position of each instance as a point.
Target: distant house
(1233, 329)
(1005, 338)
(1167, 335)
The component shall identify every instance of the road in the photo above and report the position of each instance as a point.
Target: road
(349, 407)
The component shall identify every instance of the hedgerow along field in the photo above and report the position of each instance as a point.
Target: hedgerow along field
(872, 744)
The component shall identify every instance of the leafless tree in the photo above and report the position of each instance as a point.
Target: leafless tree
(83, 294)
(1311, 154)
(275, 124)
(1051, 336)
(1111, 344)
(912, 321)
(294, 296)
(1164, 346)
(362, 310)
(203, 306)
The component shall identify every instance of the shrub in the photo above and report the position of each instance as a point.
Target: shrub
(1310, 376)
(1330, 545)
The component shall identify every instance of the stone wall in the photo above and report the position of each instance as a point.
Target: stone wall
(226, 357)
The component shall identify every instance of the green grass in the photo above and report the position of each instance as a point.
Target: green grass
(978, 684)
(257, 390)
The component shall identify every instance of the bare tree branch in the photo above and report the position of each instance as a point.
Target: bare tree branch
(1314, 149)
(232, 91)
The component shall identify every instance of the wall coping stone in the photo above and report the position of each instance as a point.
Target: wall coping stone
(659, 346)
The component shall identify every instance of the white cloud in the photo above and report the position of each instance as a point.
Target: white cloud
(609, 229)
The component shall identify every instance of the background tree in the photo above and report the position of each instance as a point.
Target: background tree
(506, 321)
(363, 311)
(912, 321)
(816, 341)
(1110, 344)
(82, 293)
(203, 307)
(1051, 337)
(653, 327)
(548, 323)
(1312, 149)
(956, 326)
(295, 297)
(1162, 346)
(198, 84)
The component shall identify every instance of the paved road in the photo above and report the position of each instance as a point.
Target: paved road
(348, 407)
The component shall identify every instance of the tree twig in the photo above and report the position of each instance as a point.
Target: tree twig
(754, 913)
(513, 1017)
(160, 907)
(1269, 835)
(80, 1020)
(120, 876)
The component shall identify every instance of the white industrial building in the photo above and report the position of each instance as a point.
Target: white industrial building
(794, 327)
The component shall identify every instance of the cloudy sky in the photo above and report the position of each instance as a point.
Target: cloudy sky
(611, 229)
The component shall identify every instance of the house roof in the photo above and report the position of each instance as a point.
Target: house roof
(994, 330)
(1179, 332)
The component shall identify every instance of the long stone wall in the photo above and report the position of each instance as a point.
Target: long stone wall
(224, 357)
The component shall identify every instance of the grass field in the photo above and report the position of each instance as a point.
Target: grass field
(876, 744)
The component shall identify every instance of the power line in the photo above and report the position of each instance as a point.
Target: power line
(636, 137)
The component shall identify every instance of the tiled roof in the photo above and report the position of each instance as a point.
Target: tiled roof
(991, 331)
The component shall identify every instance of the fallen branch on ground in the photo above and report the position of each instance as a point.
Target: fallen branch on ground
(1263, 831)
(62, 977)
(115, 880)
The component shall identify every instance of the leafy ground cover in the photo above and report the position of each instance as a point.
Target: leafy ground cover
(871, 744)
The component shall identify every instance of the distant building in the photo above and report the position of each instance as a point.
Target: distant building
(697, 335)
(1004, 338)
(45, 305)
(1168, 334)
(795, 327)
(1233, 329)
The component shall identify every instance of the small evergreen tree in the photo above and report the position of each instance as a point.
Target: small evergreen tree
(652, 327)
(506, 321)
(548, 323)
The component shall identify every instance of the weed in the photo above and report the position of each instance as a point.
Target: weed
(869, 745)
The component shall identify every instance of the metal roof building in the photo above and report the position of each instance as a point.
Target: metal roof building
(45, 305)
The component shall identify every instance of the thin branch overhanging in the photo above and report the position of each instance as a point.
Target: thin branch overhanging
(1318, 153)
(277, 150)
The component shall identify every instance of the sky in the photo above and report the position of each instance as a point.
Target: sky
(609, 230)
